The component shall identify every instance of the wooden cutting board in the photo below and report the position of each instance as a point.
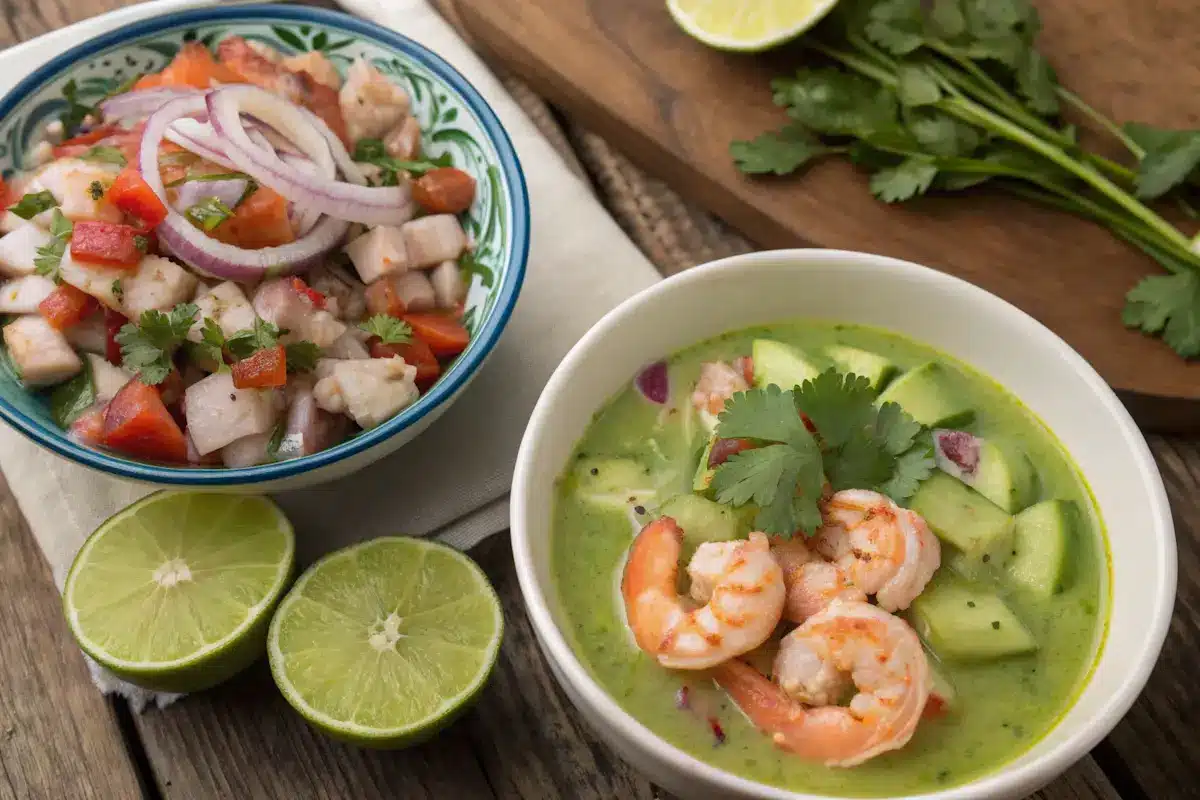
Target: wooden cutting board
(623, 69)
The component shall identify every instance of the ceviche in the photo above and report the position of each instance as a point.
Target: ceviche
(243, 258)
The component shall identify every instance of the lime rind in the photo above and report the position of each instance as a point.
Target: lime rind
(425, 651)
(695, 18)
(124, 547)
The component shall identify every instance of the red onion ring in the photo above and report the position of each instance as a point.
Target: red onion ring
(371, 205)
(141, 103)
(199, 138)
(207, 255)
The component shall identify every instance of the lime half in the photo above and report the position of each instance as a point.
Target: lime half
(175, 592)
(383, 643)
(747, 25)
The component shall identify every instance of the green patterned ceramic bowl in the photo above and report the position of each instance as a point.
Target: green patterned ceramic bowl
(454, 119)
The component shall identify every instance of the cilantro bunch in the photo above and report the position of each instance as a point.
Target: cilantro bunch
(945, 95)
(856, 445)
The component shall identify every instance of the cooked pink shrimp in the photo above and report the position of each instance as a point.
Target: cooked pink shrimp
(744, 604)
(718, 382)
(812, 584)
(884, 660)
(887, 551)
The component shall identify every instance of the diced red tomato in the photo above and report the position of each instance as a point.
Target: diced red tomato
(113, 321)
(445, 335)
(264, 369)
(195, 66)
(138, 424)
(935, 706)
(315, 297)
(107, 243)
(151, 81)
(78, 145)
(415, 353)
(133, 195)
(723, 449)
(261, 220)
(88, 427)
(5, 192)
(66, 306)
(382, 298)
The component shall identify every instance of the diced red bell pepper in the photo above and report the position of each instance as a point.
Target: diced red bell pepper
(109, 243)
(113, 321)
(415, 353)
(315, 297)
(88, 427)
(138, 424)
(133, 195)
(445, 335)
(382, 298)
(264, 369)
(66, 306)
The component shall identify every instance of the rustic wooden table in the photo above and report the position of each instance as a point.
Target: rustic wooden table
(60, 738)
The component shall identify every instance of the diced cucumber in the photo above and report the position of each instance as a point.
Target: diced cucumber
(613, 482)
(970, 568)
(780, 364)
(878, 369)
(969, 624)
(702, 482)
(1042, 537)
(1004, 475)
(924, 392)
(963, 517)
(702, 520)
(943, 690)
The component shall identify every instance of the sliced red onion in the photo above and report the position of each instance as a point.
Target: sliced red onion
(141, 103)
(371, 205)
(303, 218)
(653, 384)
(199, 138)
(205, 254)
(956, 453)
(229, 191)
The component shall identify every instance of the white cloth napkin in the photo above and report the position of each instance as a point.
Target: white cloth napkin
(453, 480)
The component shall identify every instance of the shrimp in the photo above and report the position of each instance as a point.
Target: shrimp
(885, 550)
(718, 382)
(812, 584)
(743, 607)
(884, 660)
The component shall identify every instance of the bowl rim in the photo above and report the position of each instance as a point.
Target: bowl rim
(569, 669)
(460, 373)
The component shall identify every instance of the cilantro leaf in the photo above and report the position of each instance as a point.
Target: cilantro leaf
(211, 346)
(860, 463)
(768, 414)
(470, 265)
(302, 356)
(248, 341)
(946, 20)
(917, 86)
(896, 25)
(367, 149)
(49, 255)
(1037, 82)
(904, 181)
(96, 190)
(389, 329)
(148, 346)
(940, 134)
(1167, 305)
(837, 103)
(1170, 157)
(785, 483)
(76, 112)
(275, 442)
(780, 152)
(838, 405)
(30, 205)
(895, 429)
(372, 151)
(103, 154)
(912, 467)
(208, 213)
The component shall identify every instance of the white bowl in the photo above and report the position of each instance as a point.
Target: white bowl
(927, 306)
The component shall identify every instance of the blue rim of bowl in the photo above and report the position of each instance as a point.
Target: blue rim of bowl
(443, 390)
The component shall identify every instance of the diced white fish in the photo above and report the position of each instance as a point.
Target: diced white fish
(404, 140)
(371, 104)
(158, 283)
(40, 352)
(218, 413)
(318, 66)
(378, 252)
(22, 295)
(70, 181)
(226, 305)
(90, 334)
(249, 451)
(106, 284)
(344, 295)
(369, 391)
(431, 240)
(18, 248)
(449, 288)
(309, 428)
(348, 347)
(278, 302)
(106, 378)
(414, 291)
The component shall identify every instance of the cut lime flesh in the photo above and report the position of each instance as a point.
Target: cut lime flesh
(384, 643)
(175, 592)
(747, 26)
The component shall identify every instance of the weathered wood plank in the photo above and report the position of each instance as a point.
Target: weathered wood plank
(58, 735)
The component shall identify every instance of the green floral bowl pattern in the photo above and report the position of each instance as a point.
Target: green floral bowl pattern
(454, 119)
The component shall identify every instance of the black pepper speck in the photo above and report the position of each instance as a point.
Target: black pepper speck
(995, 625)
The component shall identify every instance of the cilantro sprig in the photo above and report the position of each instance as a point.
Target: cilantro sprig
(148, 346)
(34, 203)
(208, 213)
(300, 356)
(76, 112)
(945, 95)
(372, 151)
(389, 329)
(49, 256)
(856, 445)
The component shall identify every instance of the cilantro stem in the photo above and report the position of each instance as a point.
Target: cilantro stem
(1095, 116)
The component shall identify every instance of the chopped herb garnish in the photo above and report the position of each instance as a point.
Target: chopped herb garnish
(372, 151)
(96, 190)
(302, 356)
(142, 243)
(209, 213)
(148, 346)
(49, 256)
(857, 445)
(103, 154)
(275, 442)
(76, 112)
(246, 342)
(389, 329)
(368, 149)
(118, 290)
(30, 205)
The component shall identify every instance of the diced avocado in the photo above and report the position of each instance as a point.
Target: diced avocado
(969, 624)
(878, 369)
(1042, 537)
(704, 473)
(963, 517)
(780, 364)
(1004, 475)
(924, 392)
(613, 482)
(702, 520)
